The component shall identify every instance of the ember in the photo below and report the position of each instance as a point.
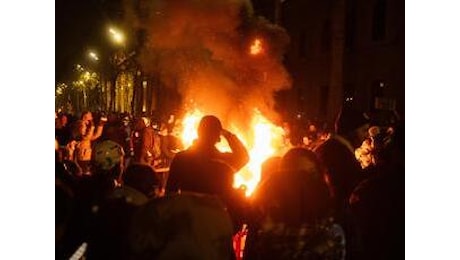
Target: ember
(256, 47)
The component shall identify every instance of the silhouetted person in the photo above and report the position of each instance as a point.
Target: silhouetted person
(204, 169)
(143, 142)
(141, 178)
(63, 132)
(338, 155)
(112, 131)
(113, 222)
(90, 191)
(87, 134)
(65, 240)
(293, 220)
(181, 226)
(169, 145)
(343, 170)
(377, 204)
(267, 169)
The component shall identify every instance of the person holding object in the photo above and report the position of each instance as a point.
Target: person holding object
(87, 133)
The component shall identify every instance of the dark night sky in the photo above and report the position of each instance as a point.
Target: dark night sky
(80, 25)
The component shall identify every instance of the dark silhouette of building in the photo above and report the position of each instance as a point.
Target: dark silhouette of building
(343, 51)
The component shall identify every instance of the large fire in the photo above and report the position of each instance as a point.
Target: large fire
(263, 140)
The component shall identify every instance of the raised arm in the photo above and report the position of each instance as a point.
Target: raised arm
(98, 132)
(239, 156)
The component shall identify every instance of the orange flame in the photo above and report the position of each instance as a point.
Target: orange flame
(263, 140)
(256, 47)
(189, 127)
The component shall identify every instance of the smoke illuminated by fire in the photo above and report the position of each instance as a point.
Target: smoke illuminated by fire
(202, 50)
(210, 53)
(263, 140)
(190, 126)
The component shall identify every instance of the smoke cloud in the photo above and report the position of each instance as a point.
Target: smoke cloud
(201, 48)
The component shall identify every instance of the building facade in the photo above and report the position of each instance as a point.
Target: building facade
(343, 51)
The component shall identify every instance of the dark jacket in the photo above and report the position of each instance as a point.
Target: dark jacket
(344, 171)
(196, 171)
(204, 169)
(144, 145)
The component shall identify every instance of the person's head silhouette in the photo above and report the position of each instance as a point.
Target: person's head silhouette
(209, 130)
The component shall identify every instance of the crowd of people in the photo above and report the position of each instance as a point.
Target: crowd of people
(127, 189)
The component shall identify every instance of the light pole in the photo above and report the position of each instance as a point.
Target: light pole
(79, 89)
(117, 36)
(99, 71)
(124, 78)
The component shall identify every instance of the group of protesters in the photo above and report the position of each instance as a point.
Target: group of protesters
(144, 139)
(127, 189)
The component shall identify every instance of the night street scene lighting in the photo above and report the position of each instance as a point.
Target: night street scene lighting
(116, 35)
(289, 113)
(93, 55)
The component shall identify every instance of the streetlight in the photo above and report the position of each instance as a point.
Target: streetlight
(117, 36)
(123, 90)
(78, 67)
(93, 55)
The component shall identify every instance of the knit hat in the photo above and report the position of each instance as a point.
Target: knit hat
(107, 154)
(350, 119)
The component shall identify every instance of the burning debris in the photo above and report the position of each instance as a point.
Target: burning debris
(222, 60)
(256, 47)
(263, 141)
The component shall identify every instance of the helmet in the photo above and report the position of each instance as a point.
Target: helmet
(107, 155)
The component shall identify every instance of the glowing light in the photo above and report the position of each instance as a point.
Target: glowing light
(190, 125)
(267, 141)
(79, 67)
(93, 56)
(256, 47)
(117, 36)
(86, 76)
(263, 140)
